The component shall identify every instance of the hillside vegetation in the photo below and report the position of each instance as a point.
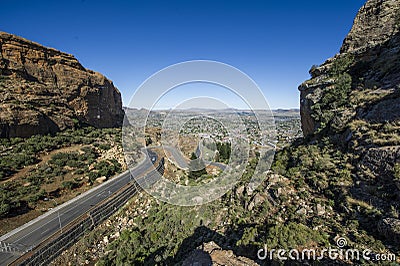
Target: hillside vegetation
(40, 172)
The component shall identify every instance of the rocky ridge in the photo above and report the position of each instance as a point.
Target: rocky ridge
(366, 66)
(353, 99)
(43, 90)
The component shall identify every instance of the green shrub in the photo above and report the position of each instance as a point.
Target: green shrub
(70, 185)
(224, 150)
(397, 171)
(5, 206)
(293, 235)
(93, 175)
(312, 70)
(105, 147)
(336, 97)
(196, 164)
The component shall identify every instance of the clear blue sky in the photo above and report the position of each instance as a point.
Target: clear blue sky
(274, 42)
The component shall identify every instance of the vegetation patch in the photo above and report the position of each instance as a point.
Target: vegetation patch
(39, 168)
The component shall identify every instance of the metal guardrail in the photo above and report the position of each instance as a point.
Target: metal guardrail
(54, 245)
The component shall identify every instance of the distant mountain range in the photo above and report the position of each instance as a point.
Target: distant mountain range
(292, 110)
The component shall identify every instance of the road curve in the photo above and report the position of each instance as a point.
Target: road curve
(178, 158)
(31, 234)
(182, 162)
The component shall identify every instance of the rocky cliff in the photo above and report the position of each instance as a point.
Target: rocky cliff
(353, 99)
(362, 82)
(43, 90)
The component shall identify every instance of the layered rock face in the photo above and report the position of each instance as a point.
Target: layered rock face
(43, 90)
(367, 67)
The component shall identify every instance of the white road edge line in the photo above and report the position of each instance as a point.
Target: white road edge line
(22, 227)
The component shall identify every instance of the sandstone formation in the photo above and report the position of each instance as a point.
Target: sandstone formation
(43, 90)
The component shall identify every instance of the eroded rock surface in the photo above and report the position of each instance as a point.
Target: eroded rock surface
(368, 63)
(43, 90)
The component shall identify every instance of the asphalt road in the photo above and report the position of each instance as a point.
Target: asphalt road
(16, 242)
(182, 162)
(179, 160)
(25, 237)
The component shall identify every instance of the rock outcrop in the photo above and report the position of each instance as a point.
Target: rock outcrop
(212, 254)
(362, 82)
(353, 99)
(376, 23)
(43, 90)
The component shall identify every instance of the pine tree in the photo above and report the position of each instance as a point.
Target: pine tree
(196, 164)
